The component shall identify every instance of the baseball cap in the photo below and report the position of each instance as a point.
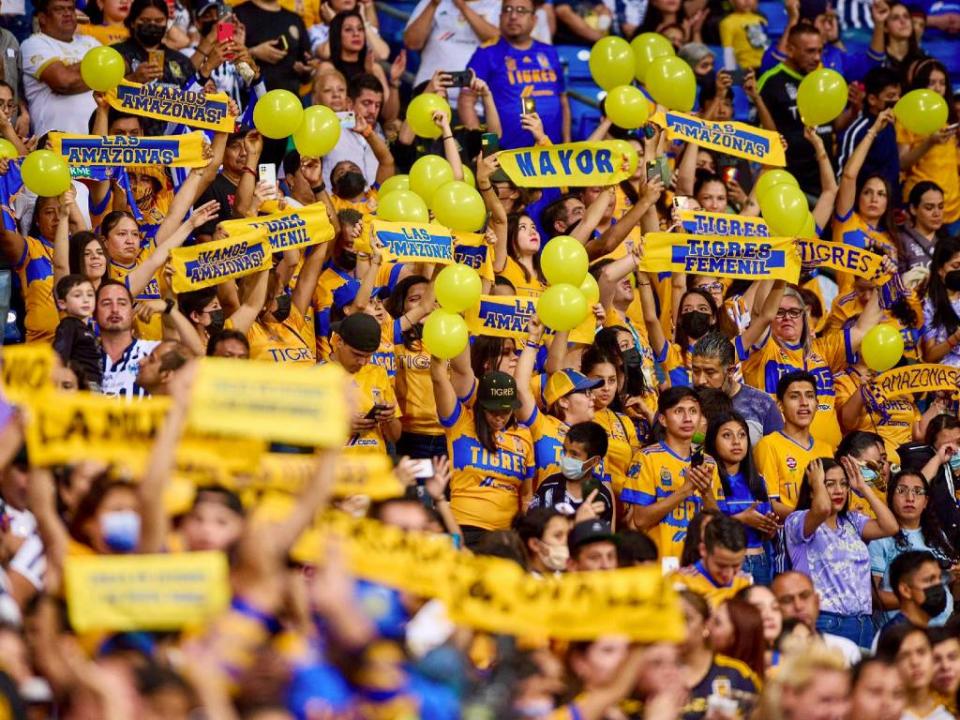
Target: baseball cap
(589, 531)
(567, 381)
(497, 391)
(360, 331)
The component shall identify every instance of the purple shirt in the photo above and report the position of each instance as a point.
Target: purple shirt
(837, 561)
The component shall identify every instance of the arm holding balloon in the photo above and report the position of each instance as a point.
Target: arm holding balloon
(61, 239)
(10, 134)
(450, 150)
(847, 194)
(828, 183)
(909, 154)
(524, 372)
(461, 373)
(486, 166)
(443, 392)
(872, 315)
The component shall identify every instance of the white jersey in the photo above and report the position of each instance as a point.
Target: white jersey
(120, 377)
(451, 41)
(50, 110)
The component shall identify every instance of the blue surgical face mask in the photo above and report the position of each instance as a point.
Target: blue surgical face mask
(955, 462)
(571, 468)
(121, 530)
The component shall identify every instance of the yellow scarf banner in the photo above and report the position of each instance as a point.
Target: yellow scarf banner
(916, 379)
(66, 427)
(414, 242)
(288, 229)
(145, 592)
(126, 150)
(27, 371)
(369, 474)
(507, 316)
(731, 138)
(304, 405)
(757, 258)
(840, 256)
(212, 263)
(701, 222)
(495, 595)
(580, 164)
(166, 102)
(472, 249)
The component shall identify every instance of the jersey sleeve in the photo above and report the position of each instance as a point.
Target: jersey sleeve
(480, 64)
(766, 462)
(641, 488)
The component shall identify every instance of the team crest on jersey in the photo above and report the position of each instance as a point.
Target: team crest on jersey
(665, 477)
(791, 462)
(543, 60)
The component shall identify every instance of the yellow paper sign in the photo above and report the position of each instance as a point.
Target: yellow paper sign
(413, 242)
(580, 164)
(128, 150)
(27, 371)
(212, 263)
(732, 138)
(472, 249)
(840, 256)
(701, 222)
(65, 427)
(507, 316)
(305, 405)
(172, 104)
(288, 229)
(916, 379)
(766, 258)
(369, 474)
(145, 592)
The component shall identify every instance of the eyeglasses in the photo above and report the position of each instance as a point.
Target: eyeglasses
(712, 287)
(915, 491)
(510, 10)
(831, 484)
(789, 313)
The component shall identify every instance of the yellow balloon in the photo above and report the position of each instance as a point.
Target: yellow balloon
(428, 174)
(628, 151)
(922, 112)
(562, 307)
(278, 114)
(445, 334)
(821, 97)
(611, 62)
(771, 178)
(420, 113)
(319, 132)
(564, 260)
(647, 47)
(459, 207)
(882, 347)
(457, 288)
(671, 83)
(809, 231)
(7, 150)
(785, 210)
(590, 289)
(468, 177)
(102, 68)
(402, 206)
(45, 173)
(394, 182)
(626, 107)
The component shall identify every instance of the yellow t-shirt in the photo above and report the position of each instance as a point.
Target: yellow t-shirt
(893, 420)
(782, 461)
(696, 579)
(661, 472)
(938, 164)
(486, 488)
(289, 341)
(373, 387)
(35, 271)
(852, 229)
(744, 32)
(847, 307)
(415, 390)
(152, 330)
(514, 273)
(622, 446)
(106, 34)
(547, 433)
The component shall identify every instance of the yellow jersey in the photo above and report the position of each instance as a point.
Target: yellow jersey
(547, 433)
(938, 164)
(289, 341)
(622, 446)
(373, 388)
(661, 472)
(487, 488)
(515, 274)
(152, 330)
(35, 272)
(365, 206)
(851, 229)
(782, 461)
(415, 388)
(893, 420)
(772, 359)
(847, 307)
(697, 579)
(744, 33)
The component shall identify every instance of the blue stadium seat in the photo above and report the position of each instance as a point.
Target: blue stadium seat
(741, 104)
(576, 59)
(583, 116)
(776, 16)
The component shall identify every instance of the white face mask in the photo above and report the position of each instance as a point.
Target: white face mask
(555, 557)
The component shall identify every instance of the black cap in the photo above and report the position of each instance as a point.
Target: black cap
(497, 391)
(812, 9)
(360, 331)
(589, 531)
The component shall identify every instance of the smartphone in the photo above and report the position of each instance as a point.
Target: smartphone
(460, 78)
(225, 31)
(423, 469)
(589, 485)
(283, 42)
(374, 411)
(696, 460)
(684, 202)
(348, 119)
(528, 106)
(155, 57)
(951, 128)
(268, 174)
(659, 168)
(490, 143)
(729, 174)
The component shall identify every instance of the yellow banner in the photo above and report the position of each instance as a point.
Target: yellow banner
(170, 103)
(288, 229)
(731, 138)
(766, 258)
(916, 379)
(842, 257)
(145, 592)
(27, 371)
(471, 249)
(127, 150)
(305, 405)
(212, 263)
(412, 242)
(369, 474)
(579, 164)
(507, 316)
(701, 222)
(65, 427)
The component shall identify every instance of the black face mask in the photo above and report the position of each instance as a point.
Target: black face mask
(347, 260)
(934, 600)
(349, 185)
(282, 312)
(149, 34)
(952, 280)
(216, 322)
(631, 357)
(205, 28)
(695, 323)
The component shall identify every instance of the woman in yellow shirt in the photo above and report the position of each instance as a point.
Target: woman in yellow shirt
(519, 262)
(106, 21)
